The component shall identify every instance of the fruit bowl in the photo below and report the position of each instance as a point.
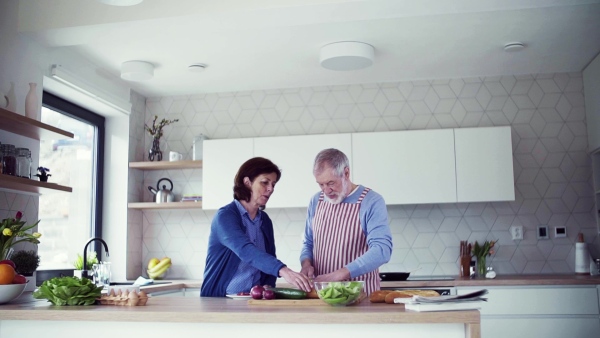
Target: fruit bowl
(339, 293)
(9, 292)
(159, 276)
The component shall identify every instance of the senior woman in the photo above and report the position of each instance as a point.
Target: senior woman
(241, 245)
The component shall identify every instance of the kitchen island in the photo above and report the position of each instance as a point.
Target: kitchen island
(181, 316)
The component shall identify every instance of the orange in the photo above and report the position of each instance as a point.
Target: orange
(7, 273)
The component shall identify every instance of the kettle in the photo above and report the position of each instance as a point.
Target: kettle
(163, 195)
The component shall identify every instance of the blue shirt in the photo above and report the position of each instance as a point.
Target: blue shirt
(374, 223)
(229, 245)
(246, 275)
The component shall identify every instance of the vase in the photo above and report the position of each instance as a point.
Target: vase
(31, 102)
(155, 152)
(481, 267)
(31, 281)
(6, 253)
(11, 98)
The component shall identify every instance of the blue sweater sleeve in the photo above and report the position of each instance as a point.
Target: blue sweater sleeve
(374, 222)
(231, 234)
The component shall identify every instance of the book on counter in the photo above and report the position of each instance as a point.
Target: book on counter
(470, 301)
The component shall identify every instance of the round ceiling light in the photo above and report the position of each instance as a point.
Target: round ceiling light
(121, 2)
(514, 46)
(347, 55)
(137, 70)
(197, 67)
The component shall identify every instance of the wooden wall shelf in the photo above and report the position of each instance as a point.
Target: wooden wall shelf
(19, 124)
(31, 186)
(171, 205)
(166, 165)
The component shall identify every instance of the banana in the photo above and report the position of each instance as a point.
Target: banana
(164, 262)
(156, 274)
(153, 262)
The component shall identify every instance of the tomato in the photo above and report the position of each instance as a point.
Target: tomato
(9, 262)
(19, 279)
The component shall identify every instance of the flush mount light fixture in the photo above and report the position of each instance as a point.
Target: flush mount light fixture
(197, 67)
(137, 70)
(347, 55)
(514, 46)
(120, 2)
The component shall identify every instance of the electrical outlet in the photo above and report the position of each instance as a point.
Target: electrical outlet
(516, 232)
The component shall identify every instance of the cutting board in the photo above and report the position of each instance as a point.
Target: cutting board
(287, 302)
(293, 302)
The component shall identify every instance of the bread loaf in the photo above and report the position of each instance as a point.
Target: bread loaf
(390, 296)
(378, 296)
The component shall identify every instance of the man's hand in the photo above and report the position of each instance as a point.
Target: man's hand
(339, 275)
(307, 269)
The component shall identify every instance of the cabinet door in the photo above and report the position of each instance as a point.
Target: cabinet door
(295, 156)
(222, 159)
(484, 164)
(406, 167)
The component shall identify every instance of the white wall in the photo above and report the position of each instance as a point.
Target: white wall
(22, 61)
(591, 81)
(551, 166)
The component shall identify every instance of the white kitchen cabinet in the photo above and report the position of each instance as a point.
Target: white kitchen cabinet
(295, 156)
(406, 167)
(484, 165)
(221, 161)
(539, 311)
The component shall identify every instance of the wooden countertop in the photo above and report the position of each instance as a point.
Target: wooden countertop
(504, 280)
(225, 310)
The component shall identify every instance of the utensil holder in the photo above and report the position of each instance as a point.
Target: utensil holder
(465, 266)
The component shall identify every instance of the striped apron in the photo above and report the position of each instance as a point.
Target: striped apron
(338, 239)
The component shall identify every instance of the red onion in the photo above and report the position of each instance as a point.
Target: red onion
(269, 294)
(257, 292)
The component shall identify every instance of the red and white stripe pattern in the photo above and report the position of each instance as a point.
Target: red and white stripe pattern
(338, 239)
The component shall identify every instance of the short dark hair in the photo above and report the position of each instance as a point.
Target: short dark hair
(251, 169)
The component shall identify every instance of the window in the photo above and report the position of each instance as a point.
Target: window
(69, 220)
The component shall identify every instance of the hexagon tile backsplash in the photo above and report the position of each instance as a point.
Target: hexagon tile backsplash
(552, 168)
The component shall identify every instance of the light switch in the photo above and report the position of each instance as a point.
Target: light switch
(516, 232)
(560, 232)
(543, 232)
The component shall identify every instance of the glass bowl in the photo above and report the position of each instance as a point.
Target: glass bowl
(158, 277)
(339, 293)
(10, 292)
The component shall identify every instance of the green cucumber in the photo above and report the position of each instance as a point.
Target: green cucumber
(289, 293)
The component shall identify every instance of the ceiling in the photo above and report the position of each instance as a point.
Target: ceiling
(267, 44)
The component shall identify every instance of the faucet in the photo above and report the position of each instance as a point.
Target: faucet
(84, 273)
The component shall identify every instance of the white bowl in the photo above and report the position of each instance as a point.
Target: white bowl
(9, 292)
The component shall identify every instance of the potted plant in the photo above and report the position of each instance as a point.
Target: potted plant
(78, 263)
(43, 175)
(156, 131)
(26, 263)
(14, 231)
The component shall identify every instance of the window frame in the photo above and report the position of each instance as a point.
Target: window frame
(74, 111)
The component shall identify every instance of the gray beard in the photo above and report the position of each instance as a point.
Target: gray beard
(341, 196)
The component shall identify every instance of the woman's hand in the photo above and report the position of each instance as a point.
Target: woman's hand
(297, 279)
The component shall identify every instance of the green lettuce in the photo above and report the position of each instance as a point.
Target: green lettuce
(68, 291)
